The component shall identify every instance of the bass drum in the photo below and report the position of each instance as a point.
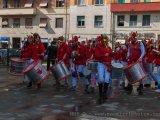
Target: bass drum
(135, 72)
(36, 72)
(16, 66)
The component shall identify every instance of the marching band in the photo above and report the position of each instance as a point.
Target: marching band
(97, 58)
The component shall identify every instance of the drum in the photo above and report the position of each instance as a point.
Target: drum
(135, 72)
(36, 72)
(117, 70)
(64, 67)
(16, 66)
(60, 71)
(86, 72)
(149, 67)
(92, 65)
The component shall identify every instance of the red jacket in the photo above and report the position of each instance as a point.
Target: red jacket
(150, 56)
(80, 58)
(25, 53)
(100, 52)
(89, 52)
(135, 52)
(37, 51)
(63, 49)
(118, 54)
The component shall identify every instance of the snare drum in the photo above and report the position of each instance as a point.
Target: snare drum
(117, 70)
(16, 66)
(36, 72)
(135, 72)
(92, 65)
(60, 71)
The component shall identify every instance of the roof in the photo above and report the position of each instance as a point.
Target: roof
(136, 7)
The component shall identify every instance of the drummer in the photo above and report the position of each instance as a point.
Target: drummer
(118, 56)
(149, 58)
(103, 54)
(157, 62)
(90, 56)
(63, 55)
(36, 48)
(79, 61)
(136, 52)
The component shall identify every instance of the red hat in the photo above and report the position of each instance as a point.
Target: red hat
(118, 44)
(61, 38)
(89, 41)
(75, 38)
(134, 34)
(99, 38)
(150, 42)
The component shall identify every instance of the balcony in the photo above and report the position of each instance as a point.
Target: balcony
(135, 7)
(17, 11)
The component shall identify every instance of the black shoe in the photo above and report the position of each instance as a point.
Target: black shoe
(29, 85)
(147, 85)
(156, 83)
(39, 86)
(140, 93)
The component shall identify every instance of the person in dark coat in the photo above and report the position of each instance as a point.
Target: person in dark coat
(52, 54)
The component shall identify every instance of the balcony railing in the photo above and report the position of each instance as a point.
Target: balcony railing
(17, 11)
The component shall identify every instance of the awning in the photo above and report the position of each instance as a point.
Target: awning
(28, 3)
(43, 25)
(4, 39)
(44, 3)
(121, 41)
(5, 23)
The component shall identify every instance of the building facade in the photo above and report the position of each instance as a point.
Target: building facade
(89, 18)
(141, 17)
(20, 18)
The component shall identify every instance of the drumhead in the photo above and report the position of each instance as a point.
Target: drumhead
(31, 66)
(17, 59)
(86, 72)
(117, 65)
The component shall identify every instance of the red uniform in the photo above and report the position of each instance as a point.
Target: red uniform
(124, 54)
(80, 58)
(118, 54)
(89, 52)
(150, 56)
(37, 51)
(25, 53)
(100, 52)
(135, 52)
(63, 49)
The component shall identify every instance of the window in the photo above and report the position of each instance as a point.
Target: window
(80, 21)
(134, 1)
(5, 3)
(133, 20)
(28, 22)
(147, 0)
(120, 20)
(16, 3)
(81, 2)
(146, 20)
(59, 3)
(44, 3)
(16, 23)
(5, 23)
(98, 2)
(121, 1)
(59, 22)
(98, 21)
(29, 3)
(43, 23)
